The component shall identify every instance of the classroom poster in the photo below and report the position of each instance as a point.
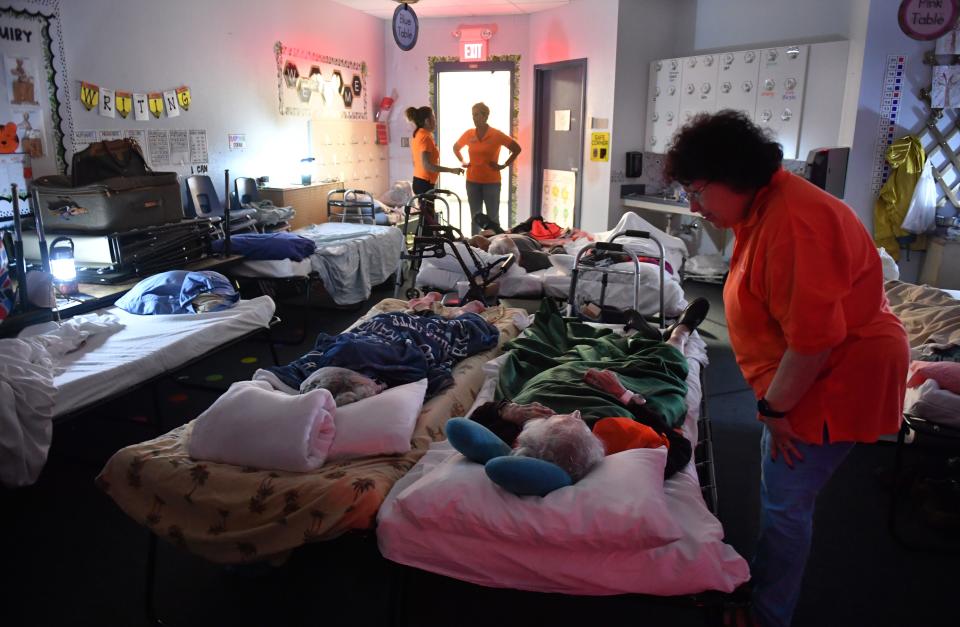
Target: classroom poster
(315, 85)
(31, 120)
(558, 197)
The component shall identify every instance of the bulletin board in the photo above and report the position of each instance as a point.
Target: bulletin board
(34, 95)
(320, 86)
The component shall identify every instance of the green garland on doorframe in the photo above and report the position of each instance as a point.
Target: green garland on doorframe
(60, 153)
(514, 114)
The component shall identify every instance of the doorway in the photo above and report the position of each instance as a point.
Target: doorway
(457, 87)
(560, 103)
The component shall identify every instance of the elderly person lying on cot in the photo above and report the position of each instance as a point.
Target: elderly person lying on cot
(565, 448)
(393, 349)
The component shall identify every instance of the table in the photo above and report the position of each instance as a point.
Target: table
(309, 201)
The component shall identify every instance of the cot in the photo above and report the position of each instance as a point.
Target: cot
(230, 514)
(444, 273)
(349, 261)
(489, 542)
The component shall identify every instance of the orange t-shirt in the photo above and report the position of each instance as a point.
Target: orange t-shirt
(805, 274)
(422, 142)
(482, 152)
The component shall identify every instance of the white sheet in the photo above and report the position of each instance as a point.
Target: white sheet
(350, 259)
(147, 346)
(698, 561)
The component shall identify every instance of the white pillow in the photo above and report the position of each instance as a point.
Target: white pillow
(619, 504)
(379, 425)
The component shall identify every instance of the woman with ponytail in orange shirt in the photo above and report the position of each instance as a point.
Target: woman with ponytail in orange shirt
(426, 156)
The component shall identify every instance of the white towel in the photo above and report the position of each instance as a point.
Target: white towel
(252, 424)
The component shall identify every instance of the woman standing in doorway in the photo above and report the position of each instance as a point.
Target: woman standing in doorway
(809, 325)
(426, 156)
(483, 170)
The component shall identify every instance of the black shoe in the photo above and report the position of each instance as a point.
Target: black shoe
(644, 329)
(486, 222)
(692, 317)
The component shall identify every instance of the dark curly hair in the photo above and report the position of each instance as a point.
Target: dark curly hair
(726, 147)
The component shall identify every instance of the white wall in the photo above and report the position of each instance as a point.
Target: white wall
(666, 26)
(584, 29)
(408, 73)
(224, 52)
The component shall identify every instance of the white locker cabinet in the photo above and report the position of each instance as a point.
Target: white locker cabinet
(737, 81)
(699, 91)
(664, 108)
(796, 91)
(783, 76)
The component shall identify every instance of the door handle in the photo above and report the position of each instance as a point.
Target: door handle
(574, 170)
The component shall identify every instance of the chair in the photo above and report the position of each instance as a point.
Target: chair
(246, 190)
(203, 202)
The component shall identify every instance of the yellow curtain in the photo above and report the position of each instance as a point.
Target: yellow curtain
(906, 157)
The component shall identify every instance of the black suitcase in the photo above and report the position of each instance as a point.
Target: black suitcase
(110, 206)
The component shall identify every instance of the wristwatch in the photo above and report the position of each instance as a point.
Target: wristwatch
(764, 409)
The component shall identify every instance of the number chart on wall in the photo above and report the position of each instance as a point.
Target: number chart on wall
(889, 112)
(320, 86)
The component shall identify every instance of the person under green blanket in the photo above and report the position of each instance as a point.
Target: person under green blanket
(560, 366)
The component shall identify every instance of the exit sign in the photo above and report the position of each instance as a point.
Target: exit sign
(473, 50)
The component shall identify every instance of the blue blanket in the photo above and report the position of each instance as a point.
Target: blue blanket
(398, 348)
(269, 246)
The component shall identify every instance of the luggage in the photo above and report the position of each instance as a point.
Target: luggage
(107, 160)
(111, 205)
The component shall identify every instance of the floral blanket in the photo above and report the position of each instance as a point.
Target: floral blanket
(231, 514)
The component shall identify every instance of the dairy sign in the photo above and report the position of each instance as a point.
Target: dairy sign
(927, 19)
(405, 27)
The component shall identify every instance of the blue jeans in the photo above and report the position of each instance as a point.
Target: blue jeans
(787, 498)
(480, 195)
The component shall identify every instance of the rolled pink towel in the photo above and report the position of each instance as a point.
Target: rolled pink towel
(252, 424)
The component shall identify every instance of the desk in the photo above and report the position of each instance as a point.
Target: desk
(309, 201)
(98, 296)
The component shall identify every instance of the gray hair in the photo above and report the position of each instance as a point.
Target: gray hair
(564, 440)
(503, 245)
(346, 386)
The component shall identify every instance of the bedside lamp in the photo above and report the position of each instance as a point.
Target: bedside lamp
(63, 267)
(306, 170)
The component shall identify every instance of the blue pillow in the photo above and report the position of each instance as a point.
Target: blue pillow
(172, 292)
(474, 441)
(527, 476)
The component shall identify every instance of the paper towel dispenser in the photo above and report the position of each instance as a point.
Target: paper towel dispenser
(827, 169)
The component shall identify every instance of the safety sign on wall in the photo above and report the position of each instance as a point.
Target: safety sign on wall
(599, 146)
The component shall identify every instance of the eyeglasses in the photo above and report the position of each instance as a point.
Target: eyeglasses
(695, 195)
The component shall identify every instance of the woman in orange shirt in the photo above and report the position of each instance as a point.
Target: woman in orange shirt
(426, 156)
(809, 325)
(483, 170)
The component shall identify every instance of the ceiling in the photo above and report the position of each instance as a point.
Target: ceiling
(455, 8)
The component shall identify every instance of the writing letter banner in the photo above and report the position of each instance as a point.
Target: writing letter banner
(170, 102)
(89, 94)
(140, 110)
(183, 97)
(155, 100)
(124, 103)
(107, 103)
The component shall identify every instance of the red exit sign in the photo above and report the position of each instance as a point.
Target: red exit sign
(473, 50)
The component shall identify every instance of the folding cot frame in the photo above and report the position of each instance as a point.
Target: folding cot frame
(712, 603)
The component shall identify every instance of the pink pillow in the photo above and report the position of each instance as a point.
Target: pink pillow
(945, 373)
